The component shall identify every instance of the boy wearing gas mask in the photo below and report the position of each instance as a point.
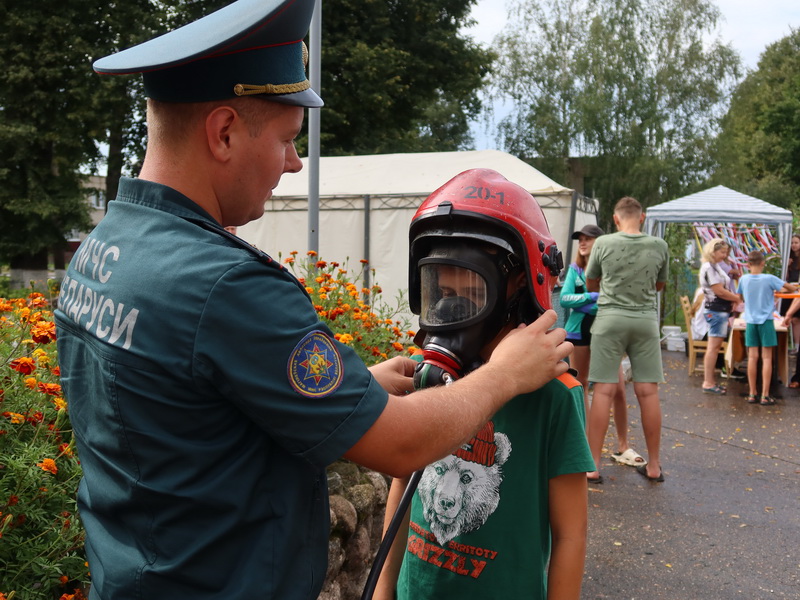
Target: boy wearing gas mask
(486, 520)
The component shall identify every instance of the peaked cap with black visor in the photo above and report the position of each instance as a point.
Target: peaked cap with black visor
(248, 48)
(484, 229)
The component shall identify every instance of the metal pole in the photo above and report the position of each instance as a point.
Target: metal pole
(314, 72)
(367, 220)
(572, 210)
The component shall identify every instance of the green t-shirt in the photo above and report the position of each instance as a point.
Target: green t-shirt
(480, 517)
(628, 266)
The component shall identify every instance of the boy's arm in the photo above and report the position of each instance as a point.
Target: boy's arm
(789, 287)
(387, 582)
(568, 522)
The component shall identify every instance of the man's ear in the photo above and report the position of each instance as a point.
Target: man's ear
(221, 124)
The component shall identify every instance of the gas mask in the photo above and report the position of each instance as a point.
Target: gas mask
(463, 306)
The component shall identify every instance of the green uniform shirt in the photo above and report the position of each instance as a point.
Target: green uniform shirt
(206, 399)
(480, 517)
(628, 266)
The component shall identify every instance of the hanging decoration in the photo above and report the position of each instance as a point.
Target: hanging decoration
(742, 239)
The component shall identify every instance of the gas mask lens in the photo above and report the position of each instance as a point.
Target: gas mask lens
(450, 294)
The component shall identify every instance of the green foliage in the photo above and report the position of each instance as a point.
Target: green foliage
(41, 539)
(358, 316)
(759, 147)
(630, 86)
(399, 77)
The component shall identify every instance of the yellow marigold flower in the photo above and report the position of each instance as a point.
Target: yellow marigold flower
(49, 465)
(60, 403)
(345, 338)
(30, 383)
(323, 295)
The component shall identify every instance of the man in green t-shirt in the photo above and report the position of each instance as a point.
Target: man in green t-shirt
(628, 268)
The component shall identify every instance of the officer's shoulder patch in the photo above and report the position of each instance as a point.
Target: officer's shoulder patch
(568, 380)
(315, 366)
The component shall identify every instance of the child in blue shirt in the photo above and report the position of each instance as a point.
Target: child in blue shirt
(758, 290)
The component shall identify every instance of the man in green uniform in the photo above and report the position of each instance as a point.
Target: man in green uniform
(205, 395)
(628, 268)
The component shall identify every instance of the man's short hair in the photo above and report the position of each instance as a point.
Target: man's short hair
(627, 207)
(756, 257)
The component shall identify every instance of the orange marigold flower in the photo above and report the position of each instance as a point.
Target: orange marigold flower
(321, 264)
(63, 579)
(30, 383)
(53, 389)
(64, 450)
(364, 261)
(377, 289)
(310, 290)
(37, 300)
(364, 290)
(56, 371)
(311, 253)
(49, 465)
(345, 338)
(13, 500)
(334, 264)
(323, 295)
(410, 333)
(5, 305)
(23, 364)
(397, 346)
(396, 331)
(293, 252)
(319, 279)
(43, 332)
(15, 418)
(289, 260)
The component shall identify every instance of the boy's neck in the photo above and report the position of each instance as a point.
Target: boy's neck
(756, 269)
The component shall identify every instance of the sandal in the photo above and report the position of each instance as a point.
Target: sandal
(752, 399)
(717, 389)
(630, 457)
(767, 401)
(794, 384)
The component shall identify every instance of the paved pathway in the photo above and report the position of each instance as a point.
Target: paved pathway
(725, 524)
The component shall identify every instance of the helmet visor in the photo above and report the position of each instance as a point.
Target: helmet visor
(450, 294)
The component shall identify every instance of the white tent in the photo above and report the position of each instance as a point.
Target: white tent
(367, 202)
(722, 205)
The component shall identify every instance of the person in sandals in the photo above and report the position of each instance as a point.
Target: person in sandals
(758, 290)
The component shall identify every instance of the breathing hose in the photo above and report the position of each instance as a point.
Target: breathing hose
(434, 370)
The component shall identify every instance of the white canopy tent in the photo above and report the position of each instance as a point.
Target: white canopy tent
(722, 205)
(367, 202)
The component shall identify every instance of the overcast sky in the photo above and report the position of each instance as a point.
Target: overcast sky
(749, 25)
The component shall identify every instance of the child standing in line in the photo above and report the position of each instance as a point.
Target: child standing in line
(758, 290)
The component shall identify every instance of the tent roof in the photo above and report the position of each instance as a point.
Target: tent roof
(719, 205)
(409, 174)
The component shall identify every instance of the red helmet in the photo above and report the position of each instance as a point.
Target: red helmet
(481, 204)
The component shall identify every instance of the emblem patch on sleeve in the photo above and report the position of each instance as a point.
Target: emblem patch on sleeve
(315, 367)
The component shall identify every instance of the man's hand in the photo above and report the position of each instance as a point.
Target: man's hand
(529, 357)
(395, 375)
